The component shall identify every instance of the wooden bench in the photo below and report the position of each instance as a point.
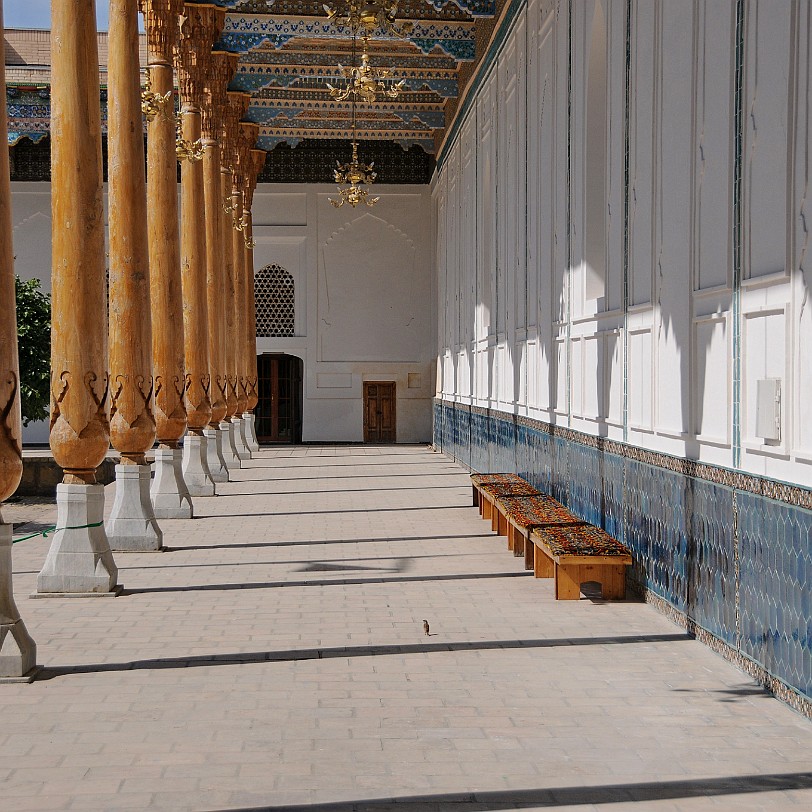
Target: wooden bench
(486, 487)
(524, 514)
(574, 555)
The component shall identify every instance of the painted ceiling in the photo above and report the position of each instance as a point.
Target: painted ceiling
(290, 50)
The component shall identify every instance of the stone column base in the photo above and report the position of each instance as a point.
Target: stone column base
(169, 494)
(195, 467)
(79, 560)
(227, 444)
(131, 526)
(214, 455)
(243, 451)
(251, 431)
(18, 652)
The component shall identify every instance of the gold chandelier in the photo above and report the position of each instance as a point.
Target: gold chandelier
(370, 16)
(365, 83)
(356, 175)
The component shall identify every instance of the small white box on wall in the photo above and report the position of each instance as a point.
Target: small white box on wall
(768, 409)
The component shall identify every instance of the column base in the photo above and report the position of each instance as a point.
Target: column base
(25, 679)
(18, 651)
(80, 559)
(169, 494)
(243, 451)
(214, 455)
(131, 526)
(227, 444)
(251, 431)
(195, 468)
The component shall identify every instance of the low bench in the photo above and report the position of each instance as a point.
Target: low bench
(486, 487)
(523, 514)
(576, 554)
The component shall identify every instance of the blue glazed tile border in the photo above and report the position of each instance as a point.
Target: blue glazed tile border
(725, 554)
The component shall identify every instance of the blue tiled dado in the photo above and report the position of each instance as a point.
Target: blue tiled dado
(734, 563)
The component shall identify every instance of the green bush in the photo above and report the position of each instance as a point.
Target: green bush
(34, 331)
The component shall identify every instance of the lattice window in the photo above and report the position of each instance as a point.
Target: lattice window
(275, 298)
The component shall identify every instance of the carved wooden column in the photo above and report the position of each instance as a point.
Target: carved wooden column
(79, 559)
(170, 496)
(221, 70)
(197, 33)
(246, 138)
(131, 525)
(237, 107)
(257, 161)
(18, 652)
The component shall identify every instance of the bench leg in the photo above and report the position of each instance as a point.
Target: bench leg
(529, 549)
(543, 566)
(567, 582)
(613, 582)
(494, 518)
(487, 508)
(518, 542)
(510, 536)
(476, 496)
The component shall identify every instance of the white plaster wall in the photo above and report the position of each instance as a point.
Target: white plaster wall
(364, 302)
(364, 297)
(550, 307)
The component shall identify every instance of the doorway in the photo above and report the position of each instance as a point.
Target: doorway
(280, 390)
(379, 412)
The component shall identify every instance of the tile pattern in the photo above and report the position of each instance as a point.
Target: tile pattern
(729, 553)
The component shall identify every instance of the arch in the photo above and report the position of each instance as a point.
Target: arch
(275, 294)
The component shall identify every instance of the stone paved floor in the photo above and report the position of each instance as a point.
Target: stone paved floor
(275, 655)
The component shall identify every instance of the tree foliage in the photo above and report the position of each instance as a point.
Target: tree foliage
(34, 331)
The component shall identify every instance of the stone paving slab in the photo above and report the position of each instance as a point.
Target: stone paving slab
(274, 657)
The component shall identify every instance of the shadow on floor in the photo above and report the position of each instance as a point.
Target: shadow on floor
(308, 543)
(245, 658)
(149, 590)
(563, 796)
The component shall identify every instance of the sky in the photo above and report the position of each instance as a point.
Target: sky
(37, 13)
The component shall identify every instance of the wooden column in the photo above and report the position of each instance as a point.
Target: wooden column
(257, 162)
(246, 138)
(198, 30)
(170, 496)
(222, 67)
(79, 559)
(132, 524)
(18, 652)
(237, 107)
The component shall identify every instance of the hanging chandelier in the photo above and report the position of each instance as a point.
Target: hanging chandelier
(356, 175)
(365, 83)
(369, 17)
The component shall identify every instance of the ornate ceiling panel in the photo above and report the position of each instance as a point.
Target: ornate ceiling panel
(290, 50)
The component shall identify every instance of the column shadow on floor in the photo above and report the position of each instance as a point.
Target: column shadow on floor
(150, 590)
(339, 652)
(563, 796)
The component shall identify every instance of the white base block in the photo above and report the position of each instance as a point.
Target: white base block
(131, 526)
(169, 494)
(251, 431)
(195, 468)
(243, 451)
(227, 445)
(79, 559)
(214, 455)
(18, 652)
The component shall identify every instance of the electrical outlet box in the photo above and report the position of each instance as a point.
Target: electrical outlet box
(768, 409)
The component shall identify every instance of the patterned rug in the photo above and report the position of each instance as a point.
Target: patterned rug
(536, 511)
(495, 479)
(518, 488)
(584, 539)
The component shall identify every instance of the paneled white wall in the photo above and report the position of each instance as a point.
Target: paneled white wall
(631, 260)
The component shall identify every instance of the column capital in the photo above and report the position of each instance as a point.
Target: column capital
(235, 108)
(256, 162)
(222, 67)
(161, 24)
(247, 134)
(199, 26)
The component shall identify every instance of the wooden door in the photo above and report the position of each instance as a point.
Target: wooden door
(279, 391)
(379, 412)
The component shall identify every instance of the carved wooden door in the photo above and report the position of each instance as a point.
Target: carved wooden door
(379, 412)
